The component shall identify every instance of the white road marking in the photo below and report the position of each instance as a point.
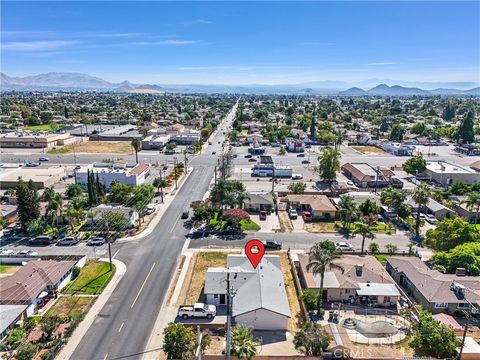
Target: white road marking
(174, 225)
(121, 327)
(116, 252)
(106, 355)
(141, 288)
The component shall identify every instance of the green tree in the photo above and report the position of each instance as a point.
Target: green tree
(28, 202)
(465, 132)
(329, 164)
(36, 227)
(421, 195)
(397, 132)
(244, 345)
(26, 351)
(449, 233)
(313, 128)
(373, 247)
(73, 190)
(391, 197)
(415, 165)
(112, 221)
(323, 256)
(365, 231)
(473, 202)
(15, 336)
(297, 187)
(347, 208)
(137, 146)
(143, 195)
(160, 184)
(119, 192)
(391, 248)
(448, 112)
(369, 207)
(419, 128)
(310, 299)
(461, 256)
(311, 340)
(179, 341)
(432, 338)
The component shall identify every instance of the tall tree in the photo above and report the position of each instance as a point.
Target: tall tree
(465, 132)
(28, 202)
(179, 341)
(365, 230)
(329, 164)
(448, 112)
(397, 132)
(347, 208)
(313, 128)
(137, 146)
(421, 194)
(473, 202)
(323, 256)
(415, 165)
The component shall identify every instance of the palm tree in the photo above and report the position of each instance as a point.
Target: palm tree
(373, 248)
(392, 198)
(365, 230)
(243, 343)
(421, 194)
(160, 183)
(323, 255)
(54, 207)
(48, 194)
(137, 146)
(473, 202)
(347, 207)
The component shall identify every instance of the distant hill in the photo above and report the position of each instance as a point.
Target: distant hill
(79, 81)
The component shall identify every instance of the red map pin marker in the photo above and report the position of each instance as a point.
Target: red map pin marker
(254, 250)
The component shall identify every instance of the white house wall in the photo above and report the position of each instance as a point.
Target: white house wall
(263, 319)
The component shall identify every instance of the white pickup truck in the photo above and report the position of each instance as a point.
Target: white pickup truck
(198, 310)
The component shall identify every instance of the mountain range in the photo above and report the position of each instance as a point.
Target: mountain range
(375, 87)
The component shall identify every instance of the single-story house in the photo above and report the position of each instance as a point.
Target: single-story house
(397, 149)
(130, 214)
(430, 288)
(319, 206)
(260, 299)
(259, 201)
(366, 176)
(463, 210)
(362, 281)
(36, 280)
(10, 316)
(433, 207)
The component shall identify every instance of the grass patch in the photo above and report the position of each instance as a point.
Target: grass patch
(70, 306)
(381, 257)
(63, 150)
(93, 278)
(379, 227)
(44, 127)
(9, 269)
(249, 225)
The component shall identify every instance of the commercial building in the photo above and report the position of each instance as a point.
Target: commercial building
(35, 140)
(446, 173)
(260, 300)
(118, 133)
(366, 176)
(107, 173)
(40, 176)
(271, 170)
(432, 289)
(398, 149)
(156, 142)
(295, 145)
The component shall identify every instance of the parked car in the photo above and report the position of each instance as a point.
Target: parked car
(292, 213)
(272, 245)
(197, 234)
(297, 176)
(305, 162)
(214, 152)
(96, 241)
(41, 240)
(27, 253)
(301, 155)
(197, 310)
(4, 251)
(150, 210)
(185, 214)
(42, 158)
(307, 216)
(343, 246)
(31, 164)
(263, 215)
(67, 241)
(431, 219)
(252, 160)
(248, 156)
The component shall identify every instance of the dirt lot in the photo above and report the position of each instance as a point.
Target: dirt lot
(323, 227)
(97, 147)
(70, 305)
(370, 150)
(296, 320)
(285, 222)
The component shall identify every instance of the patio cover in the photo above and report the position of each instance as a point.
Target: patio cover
(377, 289)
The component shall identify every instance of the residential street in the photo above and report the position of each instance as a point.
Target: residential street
(123, 327)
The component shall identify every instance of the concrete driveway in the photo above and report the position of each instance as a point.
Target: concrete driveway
(268, 225)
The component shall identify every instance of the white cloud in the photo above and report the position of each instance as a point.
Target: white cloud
(198, 22)
(383, 63)
(36, 45)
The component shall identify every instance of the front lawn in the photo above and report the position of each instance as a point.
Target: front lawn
(9, 269)
(71, 306)
(247, 225)
(379, 227)
(93, 278)
(45, 127)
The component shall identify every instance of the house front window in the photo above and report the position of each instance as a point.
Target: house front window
(441, 305)
(464, 306)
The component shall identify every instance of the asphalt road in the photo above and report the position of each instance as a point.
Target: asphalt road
(123, 327)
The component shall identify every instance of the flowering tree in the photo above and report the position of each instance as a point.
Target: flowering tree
(235, 215)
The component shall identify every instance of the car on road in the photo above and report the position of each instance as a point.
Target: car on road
(150, 210)
(96, 241)
(185, 214)
(252, 160)
(4, 251)
(301, 155)
(307, 216)
(197, 310)
(67, 241)
(297, 176)
(272, 245)
(31, 164)
(305, 162)
(78, 167)
(263, 215)
(214, 152)
(343, 246)
(42, 158)
(41, 240)
(27, 253)
(292, 213)
(248, 156)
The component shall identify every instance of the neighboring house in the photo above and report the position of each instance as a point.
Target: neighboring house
(463, 210)
(34, 281)
(363, 281)
(8, 212)
(10, 316)
(365, 176)
(107, 173)
(475, 166)
(445, 173)
(319, 206)
(397, 149)
(433, 207)
(260, 299)
(128, 213)
(430, 288)
(259, 201)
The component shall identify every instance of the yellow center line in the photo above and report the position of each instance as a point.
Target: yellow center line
(141, 288)
(121, 327)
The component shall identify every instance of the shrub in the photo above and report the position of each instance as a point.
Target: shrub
(310, 299)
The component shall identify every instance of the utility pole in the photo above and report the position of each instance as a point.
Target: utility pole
(376, 179)
(185, 160)
(161, 187)
(175, 172)
(229, 320)
(273, 179)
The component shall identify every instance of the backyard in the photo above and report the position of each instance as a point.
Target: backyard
(93, 278)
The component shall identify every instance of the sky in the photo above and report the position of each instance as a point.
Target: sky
(243, 42)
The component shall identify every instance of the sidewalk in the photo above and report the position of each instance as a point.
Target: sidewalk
(161, 209)
(67, 351)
